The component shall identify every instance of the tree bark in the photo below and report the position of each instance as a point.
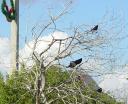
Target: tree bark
(40, 87)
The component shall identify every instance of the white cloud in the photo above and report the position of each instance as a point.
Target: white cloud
(4, 54)
(42, 45)
(26, 52)
(116, 85)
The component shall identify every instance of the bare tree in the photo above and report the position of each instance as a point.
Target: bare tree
(84, 41)
(77, 42)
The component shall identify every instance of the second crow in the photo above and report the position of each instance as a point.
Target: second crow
(74, 63)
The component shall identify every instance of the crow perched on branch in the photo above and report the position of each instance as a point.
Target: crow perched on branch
(95, 28)
(74, 63)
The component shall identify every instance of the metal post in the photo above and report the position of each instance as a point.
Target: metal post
(15, 39)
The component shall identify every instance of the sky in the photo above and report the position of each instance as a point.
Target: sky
(82, 11)
(89, 12)
(105, 13)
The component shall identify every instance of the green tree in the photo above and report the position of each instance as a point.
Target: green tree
(59, 89)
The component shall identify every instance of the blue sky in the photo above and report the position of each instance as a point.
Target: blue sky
(88, 12)
(82, 11)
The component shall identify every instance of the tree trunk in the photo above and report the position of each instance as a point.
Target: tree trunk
(40, 87)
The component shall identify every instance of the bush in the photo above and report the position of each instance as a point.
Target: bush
(59, 88)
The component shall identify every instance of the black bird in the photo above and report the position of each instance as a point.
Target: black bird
(74, 63)
(99, 90)
(95, 28)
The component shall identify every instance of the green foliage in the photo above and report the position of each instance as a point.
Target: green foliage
(59, 88)
(54, 76)
(12, 91)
